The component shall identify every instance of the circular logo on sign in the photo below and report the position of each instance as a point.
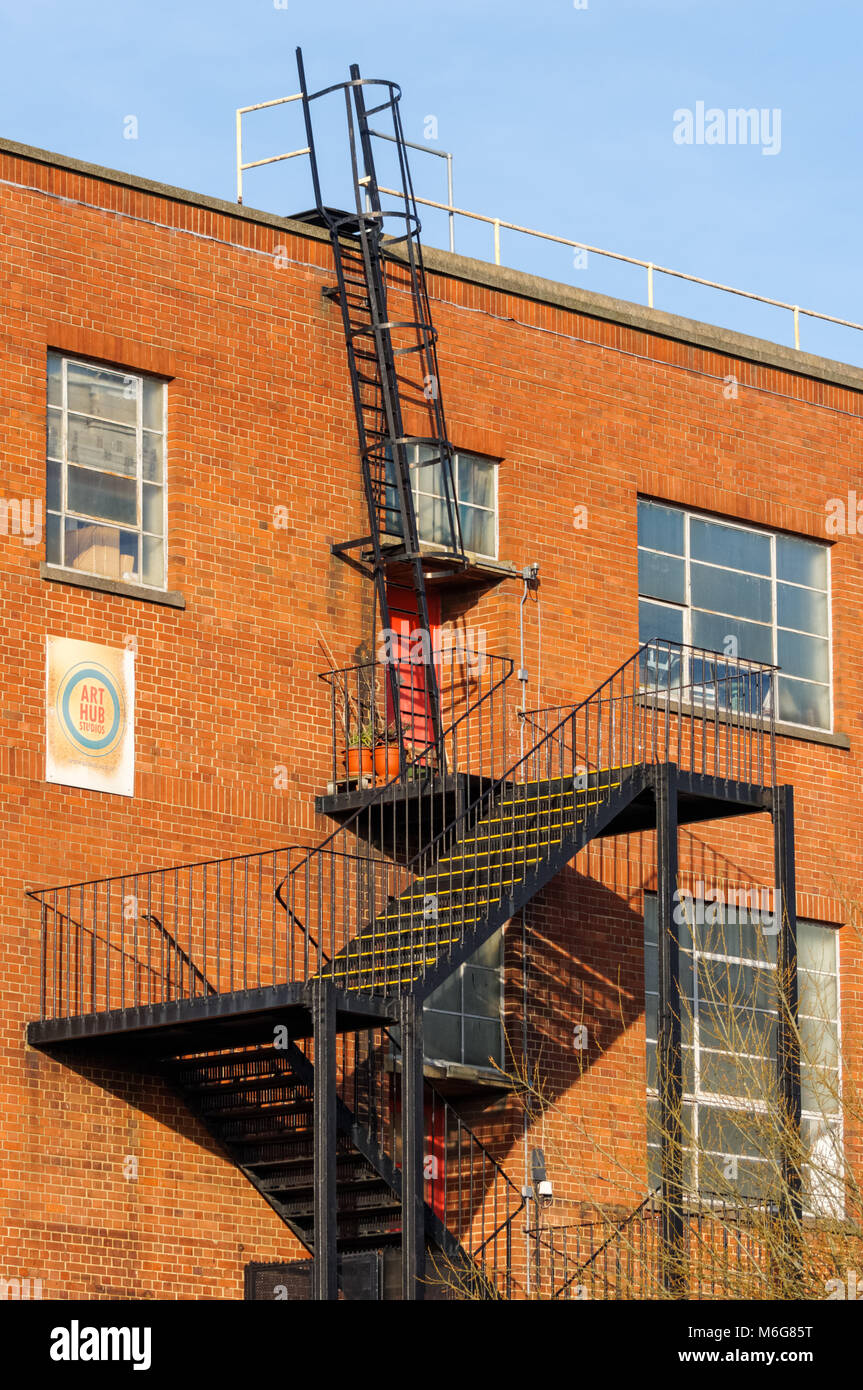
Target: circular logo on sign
(90, 709)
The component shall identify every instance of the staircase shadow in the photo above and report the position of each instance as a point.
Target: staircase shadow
(586, 969)
(133, 1081)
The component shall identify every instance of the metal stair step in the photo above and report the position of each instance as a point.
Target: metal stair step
(294, 1150)
(244, 1056)
(248, 1085)
(302, 1179)
(375, 1209)
(234, 1108)
(257, 1129)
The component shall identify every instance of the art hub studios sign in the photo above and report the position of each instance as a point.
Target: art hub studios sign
(90, 716)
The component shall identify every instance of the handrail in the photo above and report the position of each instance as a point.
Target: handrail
(619, 1228)
(732, 1249)
(573, 711)
(38, 893)
(746, 662)
(366, 720)
(652, 267)
(499, 224)
(184, 956)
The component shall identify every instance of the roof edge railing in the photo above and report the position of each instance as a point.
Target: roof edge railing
(500, 224)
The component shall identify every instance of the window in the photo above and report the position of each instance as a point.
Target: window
(106, 472)
(462, 1019)
(475, 481)
(747, 593)
(728, 1022)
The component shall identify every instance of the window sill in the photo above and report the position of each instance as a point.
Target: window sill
(812, 735)
(56, 575)
(430, 551)
(457, 1078)
(468, 1076)
(444, 567)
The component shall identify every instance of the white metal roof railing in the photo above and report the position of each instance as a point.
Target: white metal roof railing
(499, 224)
(274, 158)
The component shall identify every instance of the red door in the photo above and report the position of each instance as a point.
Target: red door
(434, 1158)
(434, 1151)
(414, 702)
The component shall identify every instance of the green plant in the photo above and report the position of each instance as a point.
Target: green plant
(362, 736)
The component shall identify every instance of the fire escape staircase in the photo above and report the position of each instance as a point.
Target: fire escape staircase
(212, 975)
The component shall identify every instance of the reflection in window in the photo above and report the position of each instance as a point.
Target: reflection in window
(105, 472)
(462, 1019)
(475, 482)
(729, 1031)
(743, 592)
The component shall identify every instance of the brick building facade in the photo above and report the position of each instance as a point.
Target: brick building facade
(586, 407)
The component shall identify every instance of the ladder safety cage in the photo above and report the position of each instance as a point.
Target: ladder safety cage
(392, 360)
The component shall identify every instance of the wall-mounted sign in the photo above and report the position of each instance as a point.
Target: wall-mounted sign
(90, 716)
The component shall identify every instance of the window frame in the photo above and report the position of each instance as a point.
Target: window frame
(463, 1014)
(685, 609)
(697, 1099)
(125, 374)
(415, 468)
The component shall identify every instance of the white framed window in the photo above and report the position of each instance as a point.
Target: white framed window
(463, 1018)
(729, 1011)
(747, 592)
(476, 484)
(106, 494)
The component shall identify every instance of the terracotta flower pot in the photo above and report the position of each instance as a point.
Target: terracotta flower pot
(359, 762)
(386, 761)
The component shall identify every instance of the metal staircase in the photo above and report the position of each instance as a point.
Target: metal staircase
(258, 1104)
(217, 975)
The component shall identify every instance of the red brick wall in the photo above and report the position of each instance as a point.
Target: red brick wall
(581, 412)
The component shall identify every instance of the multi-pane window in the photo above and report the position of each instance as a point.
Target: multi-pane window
(475, 482)
(462, 1020)
(106, 472)
(729, 1011)
(748, 593)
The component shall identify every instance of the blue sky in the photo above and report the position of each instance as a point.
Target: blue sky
(559, 118)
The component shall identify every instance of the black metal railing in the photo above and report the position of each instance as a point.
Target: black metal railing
(381, 722)
(667, 703)
(732, 1249)
(161, 935)
(430, 869)
(708, 712)
(605, 1252)
(270, 917)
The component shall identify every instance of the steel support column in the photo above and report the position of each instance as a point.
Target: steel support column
(788, 1040)
(413, 1212)
(669, 1052)
(325, 1278)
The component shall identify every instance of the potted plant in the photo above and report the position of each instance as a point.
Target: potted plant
(359, 754)
(387, 759)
